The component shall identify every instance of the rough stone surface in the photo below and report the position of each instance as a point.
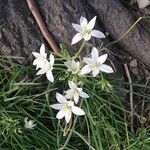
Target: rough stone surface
(20, 34)
(117, 20)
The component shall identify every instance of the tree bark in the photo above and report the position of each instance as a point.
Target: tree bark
(20, 34)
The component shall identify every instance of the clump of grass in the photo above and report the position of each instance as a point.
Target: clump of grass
(21, 97)
(103, 127)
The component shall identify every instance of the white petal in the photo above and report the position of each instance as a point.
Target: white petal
(94, 53)
(60, 98)
(37, 67)
(41, 71)
(36, 54)
(39, 62)
(72, 85)
(79, 89)
(42, 51)
(51, 58)
(85, 70)
(30, 122)
(68, 64)
(69, 96)
(91, 24)
(77, 111)
(102, 58)
(87, 37)
(50, 76)
(83, 22)
(57, 106)
(83, 94)
(76, 38)
(68, 115)
(95, 72)
(77, 27)
(33, 125)
(97, 34)
(61, 114)
(87, 60)
(76, 97)
(35, 62)
(26, 120)
(81, 19)
(106, 68)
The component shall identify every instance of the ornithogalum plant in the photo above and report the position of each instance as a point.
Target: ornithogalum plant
(78, 68)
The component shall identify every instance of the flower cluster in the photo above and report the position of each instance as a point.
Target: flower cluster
(43, 64)
(67, 107)
(89, 65)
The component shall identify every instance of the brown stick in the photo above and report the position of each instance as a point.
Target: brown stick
(131, 95)
(34, 9)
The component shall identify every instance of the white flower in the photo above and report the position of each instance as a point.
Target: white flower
(40, 57)
(74, 92)
(29, 124)
(96, 64)
(85, 30)
(66, 108)
(44, 65)
(73, 66)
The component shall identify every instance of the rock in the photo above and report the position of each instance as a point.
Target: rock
(133, 63)
(22, 35)
(0, 35)
(143, 3)
(117, 20)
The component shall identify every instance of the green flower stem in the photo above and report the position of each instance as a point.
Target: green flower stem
(58, 133)
(79, 51)
(92, 148)
(70, 134)
(71, 131)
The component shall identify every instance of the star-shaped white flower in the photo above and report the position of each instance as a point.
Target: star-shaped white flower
(75, 92)
(66, 108)
(44, 65)
(40, 57)
(73, 66)
(96, 64)
(29, 124)
(85, 30)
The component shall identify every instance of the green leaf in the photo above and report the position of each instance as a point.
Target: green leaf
(64, 51)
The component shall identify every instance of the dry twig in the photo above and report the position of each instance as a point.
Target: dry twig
(34, 9)
(131, 94)
(143, 100)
